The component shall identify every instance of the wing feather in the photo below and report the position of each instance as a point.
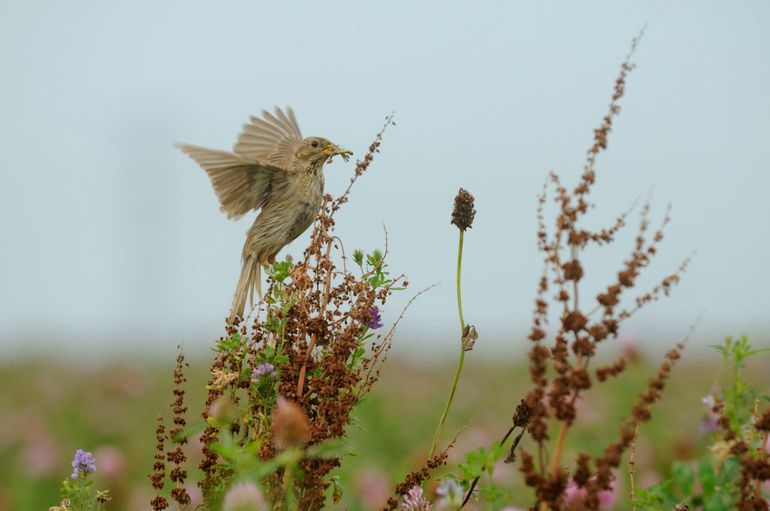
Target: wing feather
(273, 138)
(241, 185)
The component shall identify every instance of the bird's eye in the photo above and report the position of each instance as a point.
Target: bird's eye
(314, 143)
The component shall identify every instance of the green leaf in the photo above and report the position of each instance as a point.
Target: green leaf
(358, 257)
(191, 429)
(684, 476)
(329, 449)
(707, 476)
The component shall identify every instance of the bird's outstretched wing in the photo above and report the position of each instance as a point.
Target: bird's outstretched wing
(273, 138)
(241, 185)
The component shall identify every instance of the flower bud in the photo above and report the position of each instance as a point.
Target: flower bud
(469, 337)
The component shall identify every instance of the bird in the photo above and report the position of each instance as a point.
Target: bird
(272, 168)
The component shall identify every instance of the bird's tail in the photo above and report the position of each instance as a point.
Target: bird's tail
(249, 281)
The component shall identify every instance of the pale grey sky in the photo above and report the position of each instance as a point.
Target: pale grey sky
(112, 240)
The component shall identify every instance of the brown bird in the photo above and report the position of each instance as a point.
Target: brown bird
(274, 169)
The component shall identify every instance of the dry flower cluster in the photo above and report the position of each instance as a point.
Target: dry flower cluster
(282, 388)
(309, 341)
(560, 371)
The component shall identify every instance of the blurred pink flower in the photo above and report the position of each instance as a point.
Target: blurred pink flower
(471, 440)
(504, 472)
(373, 488)
(630, 346)
(244, 496)
(607, 498)
(39, 455)
(127, 380)
(196, 497)
(40, 458)
(709, 425)
(111, 461)
(140, 497)
(648, 479)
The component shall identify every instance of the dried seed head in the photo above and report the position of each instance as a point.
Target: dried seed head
(469, 337)
(763, 424)
(463, 213)
(103, 496)
(291, 427)
(522, 415)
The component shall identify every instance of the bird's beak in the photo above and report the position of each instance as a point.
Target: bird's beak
(333, 150)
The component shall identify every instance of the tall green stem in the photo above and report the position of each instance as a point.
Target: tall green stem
(462, 350)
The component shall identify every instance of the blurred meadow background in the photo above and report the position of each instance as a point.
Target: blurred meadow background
(114, 251)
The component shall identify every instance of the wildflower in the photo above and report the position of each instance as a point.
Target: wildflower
(83, 463)
(375, 319)
(291, 427)
(415, 500)
(463, 212)
(714, 395)
(373, 488)
(265, 370)
(111, 462)
(451, 493)
(607, 498)
(244, 496)
(575, 494)
(709, 424)
(40, 458)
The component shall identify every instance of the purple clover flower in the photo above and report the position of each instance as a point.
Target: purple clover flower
(415, 500)
(83, 463)
(265, 370)
(375, 319)
(710, 423)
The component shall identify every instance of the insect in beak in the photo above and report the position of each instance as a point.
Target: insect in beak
(333, 150)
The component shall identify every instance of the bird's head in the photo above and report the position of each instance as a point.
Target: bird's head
(319, 150)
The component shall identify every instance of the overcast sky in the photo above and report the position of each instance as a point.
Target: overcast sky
(112, 240)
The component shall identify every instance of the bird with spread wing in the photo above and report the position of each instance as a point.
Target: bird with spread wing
(274, 169)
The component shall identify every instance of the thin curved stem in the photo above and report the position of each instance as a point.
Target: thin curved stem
(462, 350)
(459, 284)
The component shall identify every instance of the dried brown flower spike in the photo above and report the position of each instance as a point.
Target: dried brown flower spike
(463, 212)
